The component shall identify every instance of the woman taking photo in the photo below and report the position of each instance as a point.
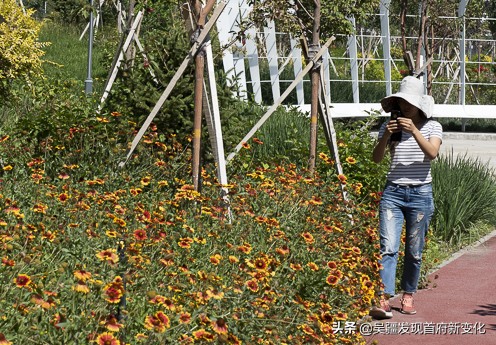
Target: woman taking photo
(413, 141)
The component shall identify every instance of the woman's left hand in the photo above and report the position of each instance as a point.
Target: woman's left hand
(407, 124)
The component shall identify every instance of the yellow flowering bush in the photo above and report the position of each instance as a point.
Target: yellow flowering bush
(20, 50)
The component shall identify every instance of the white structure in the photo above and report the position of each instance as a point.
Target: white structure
(243, 58)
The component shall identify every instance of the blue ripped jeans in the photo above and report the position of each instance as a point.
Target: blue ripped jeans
(415, 206)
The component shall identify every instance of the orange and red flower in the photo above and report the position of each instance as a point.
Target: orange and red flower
(145, 181)
(158, 322)
(313, 266)
(185, 242)
(8, 262)
(332, 265)
(107, 338)
(245, 248)
(40, 208)
(63, 197)
(185, 317)
(109, 255)
(308, 237)
(252, 285)
(219, 326)
(82, 275)
(57, 320)
(342, 178)
(112, 324)
(284, 250)
(81, 287)
(3, 340)
(22, 280)
(201, 334)
(350, 160)
(332, 280)
(215, 259)
(257, 141)
(114, 290)
(37, 177)
(45, 304)
(140, 235)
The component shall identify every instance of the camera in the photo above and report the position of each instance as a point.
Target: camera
(395, 113)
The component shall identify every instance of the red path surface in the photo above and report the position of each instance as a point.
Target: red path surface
(459, 307)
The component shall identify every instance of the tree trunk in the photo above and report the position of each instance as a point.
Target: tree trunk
(131, 51)
(422, 34)
(429, 51)
(404, 7)
(315, 78)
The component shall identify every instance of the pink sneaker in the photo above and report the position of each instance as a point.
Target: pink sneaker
(383, 311)
(407, 304)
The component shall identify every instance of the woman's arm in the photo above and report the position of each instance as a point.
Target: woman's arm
(382, 145)
(429, 147)
(380, 148)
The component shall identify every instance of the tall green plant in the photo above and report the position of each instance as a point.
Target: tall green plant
(163, 33)
(464, 193)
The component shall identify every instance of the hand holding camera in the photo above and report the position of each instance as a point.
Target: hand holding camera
(395, 114)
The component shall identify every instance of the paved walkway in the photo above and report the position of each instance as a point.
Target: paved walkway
(474, 145)
(458, 308)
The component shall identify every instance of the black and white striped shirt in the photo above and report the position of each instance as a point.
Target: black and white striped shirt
(409, 165)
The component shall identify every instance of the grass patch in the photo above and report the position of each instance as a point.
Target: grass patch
(67, 56)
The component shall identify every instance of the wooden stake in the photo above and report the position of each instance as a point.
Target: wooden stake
(315, 77)
(199, 71)
(212, 114)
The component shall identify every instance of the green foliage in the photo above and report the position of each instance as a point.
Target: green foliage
(52, 107)
(20, 50)
(298, 18)
(285, 134)
(355, 149)
(470, 125)
(491, 13)
(465, 194)
(76, 11)
(71, 11)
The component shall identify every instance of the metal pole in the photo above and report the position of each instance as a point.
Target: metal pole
(386, 44)
(352, 48)
(88, 83)
(461, 13)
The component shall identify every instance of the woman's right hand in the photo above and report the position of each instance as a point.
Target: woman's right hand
(392, 127)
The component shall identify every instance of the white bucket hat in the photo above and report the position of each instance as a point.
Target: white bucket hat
(412, 91)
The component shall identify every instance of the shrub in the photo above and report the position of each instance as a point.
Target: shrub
(52, 109)
(464, 193)
(20, 50)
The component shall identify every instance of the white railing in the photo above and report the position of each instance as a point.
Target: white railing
(242, 65)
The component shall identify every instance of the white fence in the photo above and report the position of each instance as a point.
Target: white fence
(242, 63)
